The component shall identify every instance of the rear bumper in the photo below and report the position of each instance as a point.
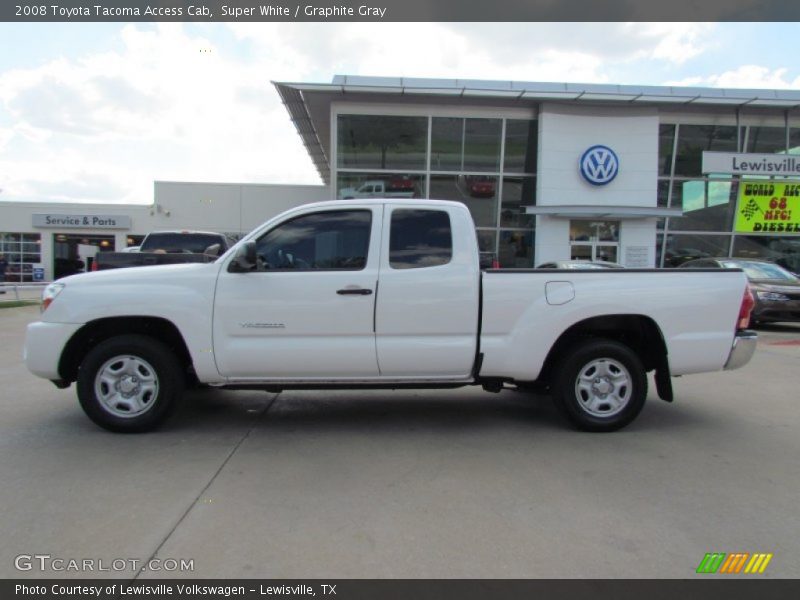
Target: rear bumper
(744, 345)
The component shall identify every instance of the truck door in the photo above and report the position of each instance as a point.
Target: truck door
(307, 311)
(427, 309)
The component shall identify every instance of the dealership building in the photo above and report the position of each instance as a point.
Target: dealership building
(641, 175)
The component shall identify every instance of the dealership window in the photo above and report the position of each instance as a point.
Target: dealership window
(74, 253)
(478, 192)
(488, 164)
(783, 250)
(766, 140)
(381, 142)
(515, 249)
(708, 205)
(518, 194)
(134, 240)
(465, 144)
(521, 146)
(594, 240)
(693, 140)
(379, 185)
(682, 247)
(666, 145)
(794, 140)
(22, 251)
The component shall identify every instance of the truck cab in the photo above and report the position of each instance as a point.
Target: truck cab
(345, 301)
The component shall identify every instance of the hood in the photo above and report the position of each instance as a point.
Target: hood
(776, 285)
(139, 274)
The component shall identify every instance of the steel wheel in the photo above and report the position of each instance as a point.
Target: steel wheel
(603, 387)
(126, 386)
(130, 383)
(599, 384)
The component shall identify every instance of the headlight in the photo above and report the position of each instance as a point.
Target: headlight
(49, 294)
(773, 296)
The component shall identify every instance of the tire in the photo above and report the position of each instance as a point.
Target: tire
(130, 383)
(600, 385)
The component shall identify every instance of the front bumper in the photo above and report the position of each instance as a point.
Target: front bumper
(44, 343)
(744, 345)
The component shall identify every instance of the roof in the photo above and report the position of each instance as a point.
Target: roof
(313, 121)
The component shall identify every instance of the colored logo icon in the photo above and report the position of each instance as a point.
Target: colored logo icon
(599, 165)
(734, 563)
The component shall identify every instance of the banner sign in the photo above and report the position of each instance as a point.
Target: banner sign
(738, 163)
(768, 207)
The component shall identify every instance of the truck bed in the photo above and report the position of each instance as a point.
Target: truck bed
(697, 320)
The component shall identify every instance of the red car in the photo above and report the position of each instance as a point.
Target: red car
(481, 187)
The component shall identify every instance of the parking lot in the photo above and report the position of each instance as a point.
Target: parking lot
(453, 483)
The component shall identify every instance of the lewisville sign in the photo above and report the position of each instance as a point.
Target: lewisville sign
(739, 163)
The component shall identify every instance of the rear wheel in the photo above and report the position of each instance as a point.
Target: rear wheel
(130, 383)
(601, 385)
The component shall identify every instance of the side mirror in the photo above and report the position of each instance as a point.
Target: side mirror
(244, 259)
(213, 250)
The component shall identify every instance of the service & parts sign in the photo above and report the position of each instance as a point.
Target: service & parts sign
(768, 207)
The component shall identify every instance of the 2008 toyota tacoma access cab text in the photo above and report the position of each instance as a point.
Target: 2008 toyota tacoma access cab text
(382, 294)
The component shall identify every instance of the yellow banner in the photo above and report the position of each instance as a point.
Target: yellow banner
(768, 207)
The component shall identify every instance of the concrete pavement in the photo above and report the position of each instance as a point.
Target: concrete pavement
(452, 483)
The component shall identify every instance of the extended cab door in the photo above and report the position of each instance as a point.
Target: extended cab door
(428, 298)
(307, 311)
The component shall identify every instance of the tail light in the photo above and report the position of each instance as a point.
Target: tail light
(94, 265)
(495, 263)
(748, 303)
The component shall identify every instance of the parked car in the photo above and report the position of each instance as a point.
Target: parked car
(776, 290)
(318, 297)
(481, 186)
(580, 264)
(167, 248)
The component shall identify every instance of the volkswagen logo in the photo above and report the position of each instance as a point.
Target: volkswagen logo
(599, 165)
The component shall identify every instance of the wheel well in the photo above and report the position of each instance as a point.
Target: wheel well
(97, 331)
(640, 333)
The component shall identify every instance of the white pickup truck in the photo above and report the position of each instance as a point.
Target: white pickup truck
(349, 294)
(394, 188)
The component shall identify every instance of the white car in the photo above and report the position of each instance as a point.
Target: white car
(385, 294)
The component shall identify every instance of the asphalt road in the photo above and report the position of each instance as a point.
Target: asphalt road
(457, 483)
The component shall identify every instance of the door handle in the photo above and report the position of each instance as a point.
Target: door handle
(354, 292)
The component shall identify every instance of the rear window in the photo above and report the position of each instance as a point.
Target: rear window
(172, 243)
(420, 238)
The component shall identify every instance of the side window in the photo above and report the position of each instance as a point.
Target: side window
(420, 238)
(330, 240)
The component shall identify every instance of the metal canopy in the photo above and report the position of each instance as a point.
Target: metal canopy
(575, 211)
(294, 98)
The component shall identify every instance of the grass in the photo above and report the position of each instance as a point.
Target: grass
(16, 303)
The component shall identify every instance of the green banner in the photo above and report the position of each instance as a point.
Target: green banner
(768, 207)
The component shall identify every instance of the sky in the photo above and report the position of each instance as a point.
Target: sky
(97, 112)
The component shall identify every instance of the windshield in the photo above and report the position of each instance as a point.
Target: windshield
(171, 243)
(759, 270)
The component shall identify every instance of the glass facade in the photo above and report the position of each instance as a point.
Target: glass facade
(21, 252)
(707, 227)
(489, 164)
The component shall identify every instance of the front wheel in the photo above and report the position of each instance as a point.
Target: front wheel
(601, 385)
(130, 383)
